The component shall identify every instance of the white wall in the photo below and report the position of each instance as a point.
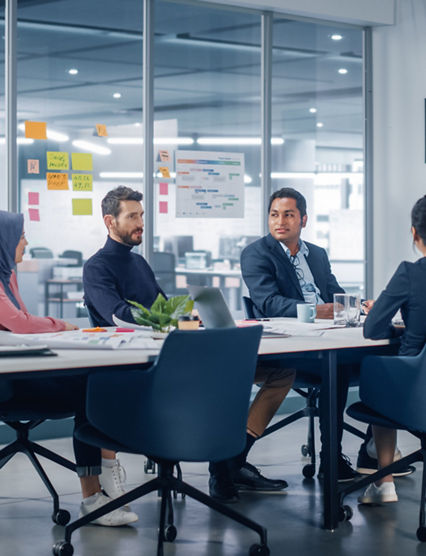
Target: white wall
(358, 12)
(399, 89)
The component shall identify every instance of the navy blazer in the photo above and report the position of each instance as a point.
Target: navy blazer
(272, 281)
(406, 291)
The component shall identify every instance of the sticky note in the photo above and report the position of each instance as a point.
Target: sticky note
(164, 188)
(57, 160)
(33, 166)
(163, 207)
(82, 207)
(34, 215)
(35, 130)
(82, 161)
(101, 130)
(33, 198)
(82, 182)
(164, 156)
(164, 171)
(56, 181)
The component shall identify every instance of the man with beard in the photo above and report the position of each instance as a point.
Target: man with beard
(114, 274)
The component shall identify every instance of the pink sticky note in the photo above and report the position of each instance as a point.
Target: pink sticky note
(34, 215)
(33, 198)
(164, 207)
(164, 188)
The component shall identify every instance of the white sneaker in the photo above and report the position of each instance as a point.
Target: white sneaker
(372, 452)
(379, 494)
(115, 518)
(113, 479)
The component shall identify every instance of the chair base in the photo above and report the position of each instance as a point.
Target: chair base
(165, 483)
(24, 445)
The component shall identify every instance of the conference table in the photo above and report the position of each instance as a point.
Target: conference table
(325, 349)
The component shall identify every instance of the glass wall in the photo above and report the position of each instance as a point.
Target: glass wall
(79, 70)
(207, 122)
(3, 193)
(317, 108)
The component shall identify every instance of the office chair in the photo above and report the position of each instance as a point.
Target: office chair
(163, 266)
(191, 405)
(22, 418)
(392, 392)
(41, 253)
(306, 385)
(71, 254)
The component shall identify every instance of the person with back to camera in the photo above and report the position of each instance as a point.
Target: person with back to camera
(405, 291)
(69, 391)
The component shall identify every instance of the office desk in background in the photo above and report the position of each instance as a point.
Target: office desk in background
(325, 352)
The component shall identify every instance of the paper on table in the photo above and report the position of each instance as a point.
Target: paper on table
(143, 329)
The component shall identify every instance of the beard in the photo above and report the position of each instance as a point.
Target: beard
(126, 237)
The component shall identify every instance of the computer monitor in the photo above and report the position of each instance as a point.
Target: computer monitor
(179, 245)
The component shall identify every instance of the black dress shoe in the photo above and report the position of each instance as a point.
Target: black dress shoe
(223, 489)
(249, 478)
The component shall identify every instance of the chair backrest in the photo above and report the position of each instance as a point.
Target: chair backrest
(163, 265)
(395, 386)
(191, 405)
(41, 253)
(248, 307)
(71, 254)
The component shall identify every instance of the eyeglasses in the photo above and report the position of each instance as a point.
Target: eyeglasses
(294, 259)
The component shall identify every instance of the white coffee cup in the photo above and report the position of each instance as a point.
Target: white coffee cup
(306, 312)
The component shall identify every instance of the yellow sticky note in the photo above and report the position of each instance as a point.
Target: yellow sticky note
(57, 160)
(35, 130)
(82, 207)
(164, 171)
(57, 181)
(82, 182)
(82, 161)
(101, 130)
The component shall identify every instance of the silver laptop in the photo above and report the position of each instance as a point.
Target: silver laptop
(212, 307)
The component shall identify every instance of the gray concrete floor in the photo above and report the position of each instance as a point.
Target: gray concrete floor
(293, 519)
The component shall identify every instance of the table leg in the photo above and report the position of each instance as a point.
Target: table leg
(329, 447)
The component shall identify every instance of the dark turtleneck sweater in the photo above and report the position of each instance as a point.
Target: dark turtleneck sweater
(112, 276)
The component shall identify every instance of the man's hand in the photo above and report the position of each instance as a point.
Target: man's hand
(367, 305)
(69, 326)
(325, 311)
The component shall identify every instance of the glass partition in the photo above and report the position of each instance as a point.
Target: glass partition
(317, 109)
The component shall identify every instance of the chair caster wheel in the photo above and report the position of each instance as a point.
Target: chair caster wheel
(259, 550)
(61, 517)
(63, 548)
(309, 471)
(421, 534)
(149, 466)
(305, 450)
(345, 513)
(170, 533)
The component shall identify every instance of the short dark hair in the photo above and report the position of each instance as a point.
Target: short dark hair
(289, 192)
(418, 217)
(111, 201)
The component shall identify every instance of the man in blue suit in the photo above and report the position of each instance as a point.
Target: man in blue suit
(281, 271)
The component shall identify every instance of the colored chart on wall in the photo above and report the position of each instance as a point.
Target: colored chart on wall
(209, 184)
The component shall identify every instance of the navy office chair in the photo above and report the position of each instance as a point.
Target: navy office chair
(306, 385)
(191, 405)
(392, 390)
(23, 417)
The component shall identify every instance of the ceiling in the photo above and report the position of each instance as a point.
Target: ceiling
(207, 65)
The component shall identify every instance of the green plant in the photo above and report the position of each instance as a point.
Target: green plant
(164, 313)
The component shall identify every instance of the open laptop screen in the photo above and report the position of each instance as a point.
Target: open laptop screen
(212, 307)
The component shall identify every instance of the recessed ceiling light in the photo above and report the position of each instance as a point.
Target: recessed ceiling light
(336, 37)
(320, 124)
(117, 95)
(313, 110)
(342, 71)
(73, 71)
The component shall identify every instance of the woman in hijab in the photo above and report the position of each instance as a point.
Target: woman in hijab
(67, 391)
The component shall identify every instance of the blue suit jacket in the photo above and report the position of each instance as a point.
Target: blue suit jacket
(406, 291)
(272, 281)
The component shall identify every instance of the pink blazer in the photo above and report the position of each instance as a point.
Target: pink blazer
(20, 321)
